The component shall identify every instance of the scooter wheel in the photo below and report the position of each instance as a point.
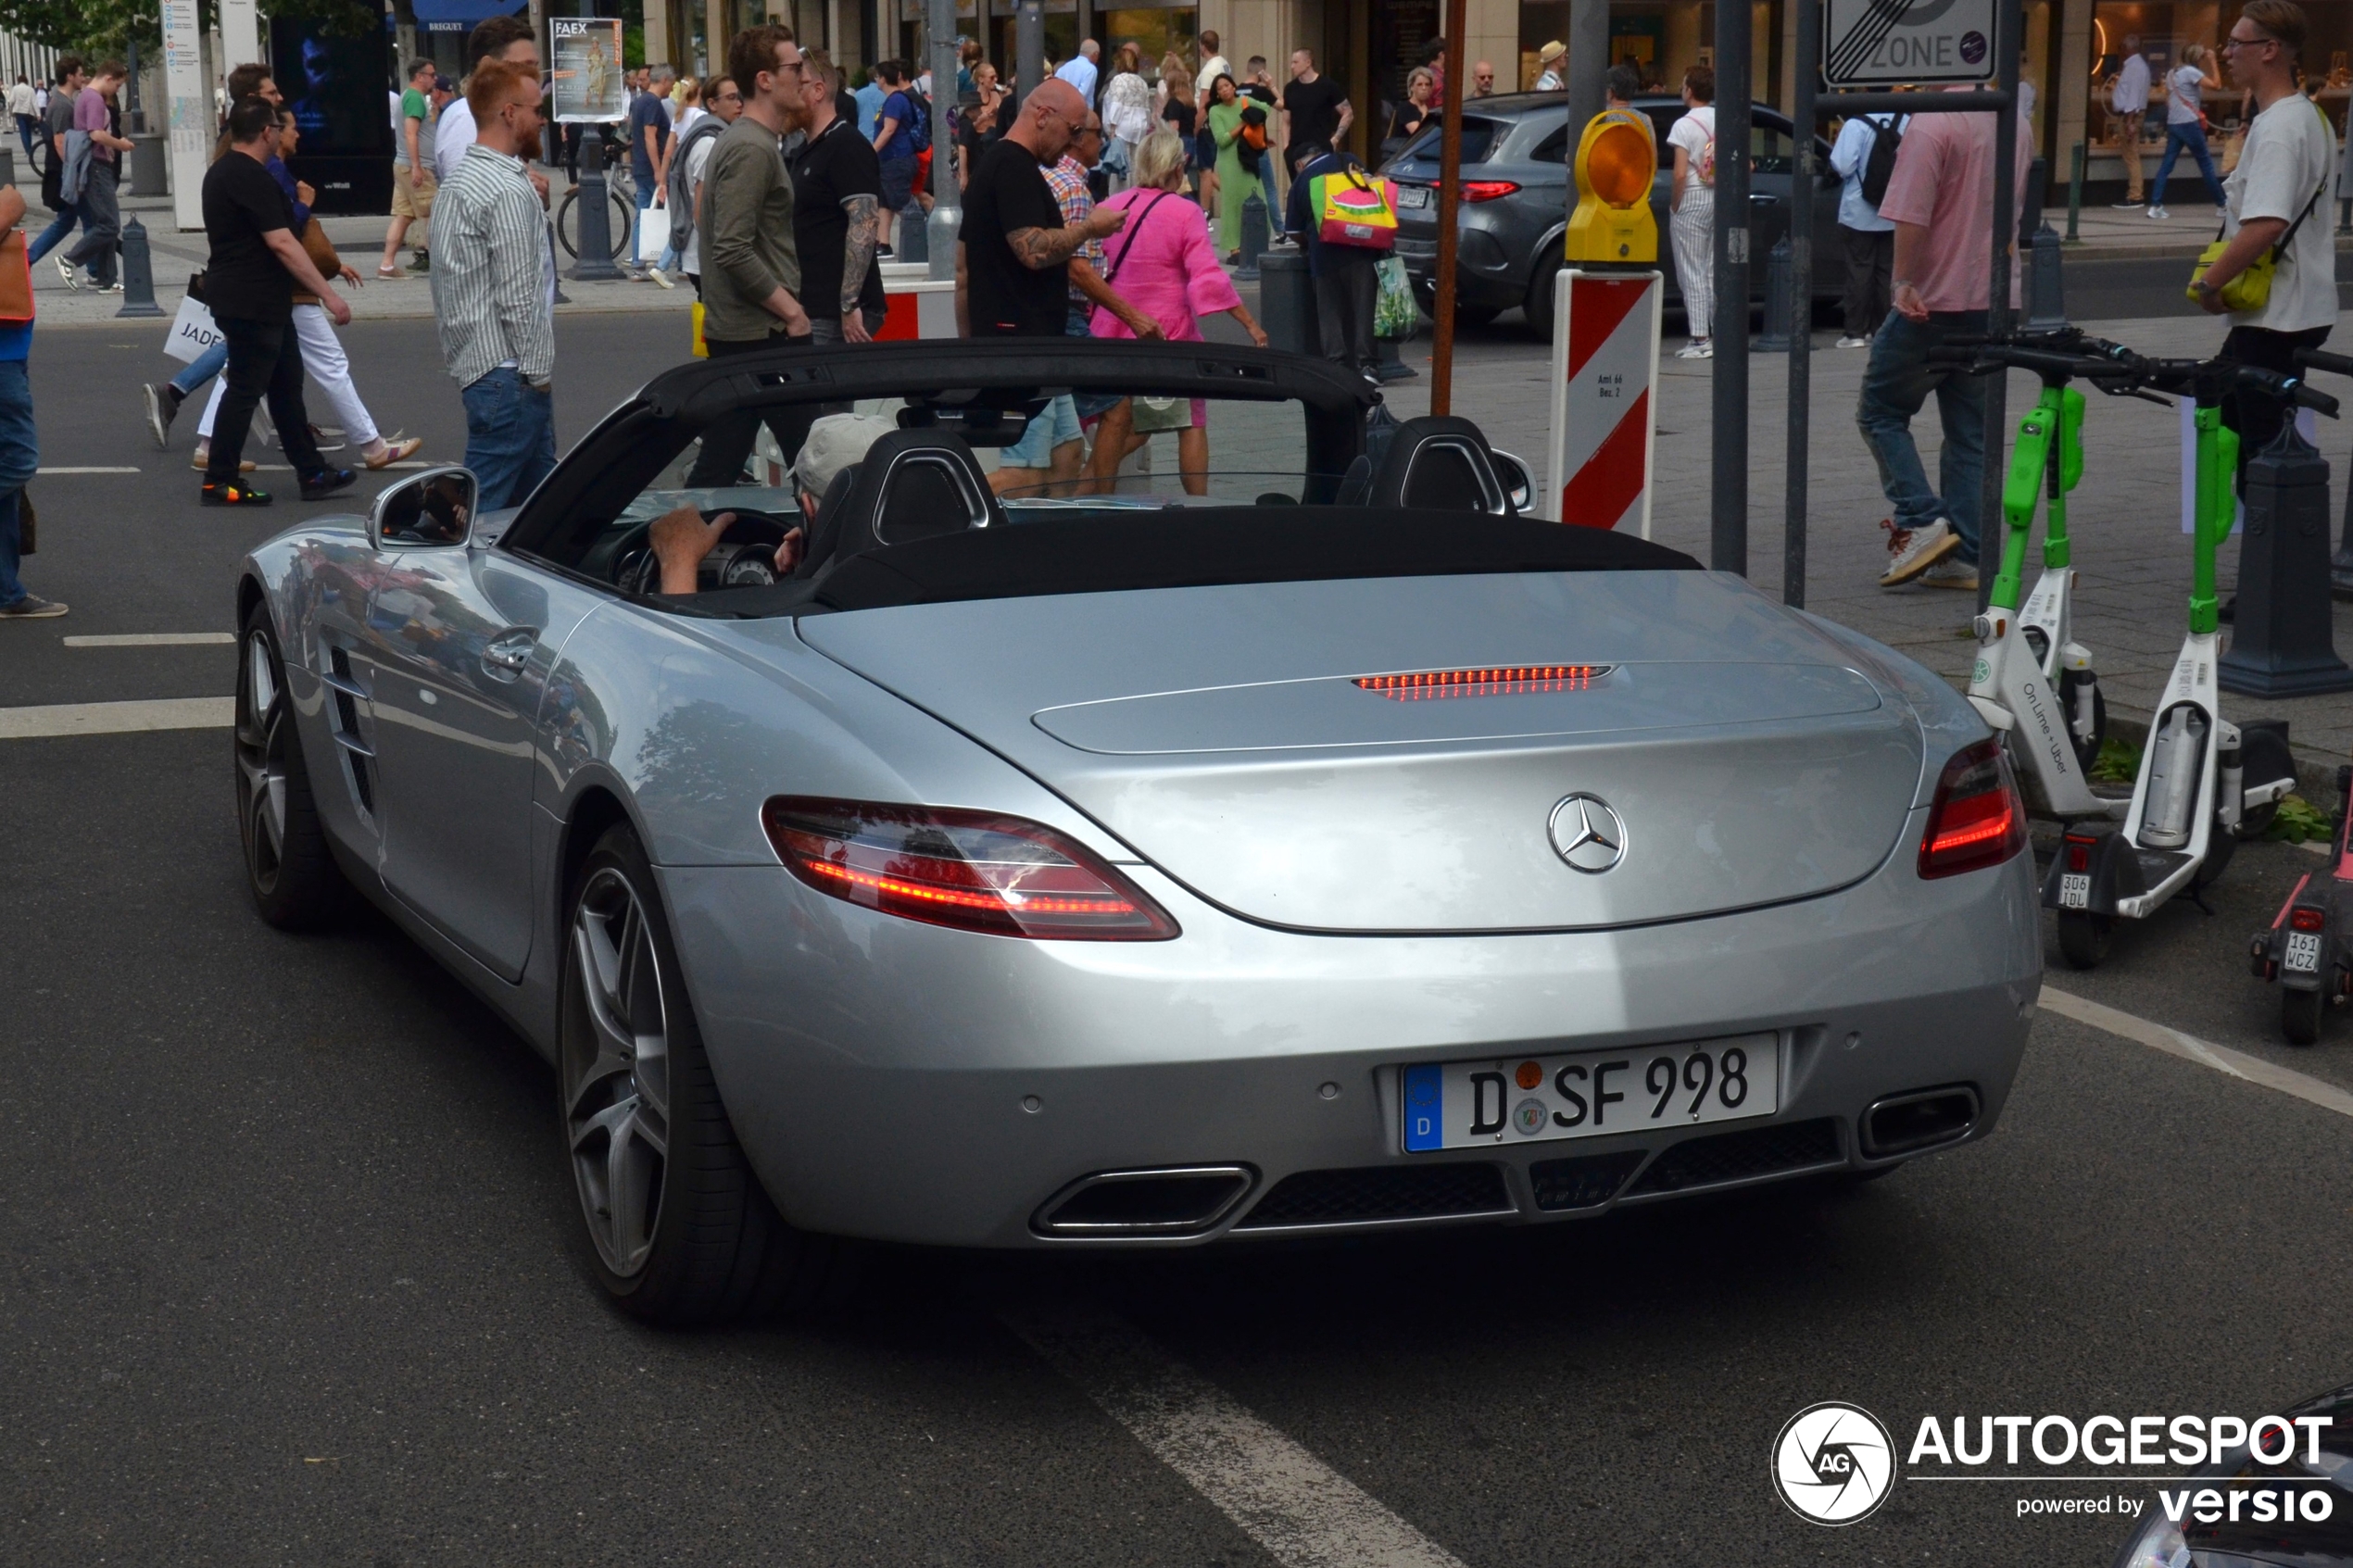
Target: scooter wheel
(2300, 1016)
(2083, 937)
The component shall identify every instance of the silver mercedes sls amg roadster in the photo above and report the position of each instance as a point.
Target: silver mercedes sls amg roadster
(1284, 834)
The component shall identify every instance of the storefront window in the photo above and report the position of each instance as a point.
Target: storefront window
(2163, 29)
(1155, 31)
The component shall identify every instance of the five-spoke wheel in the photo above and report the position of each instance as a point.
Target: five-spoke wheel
(617, 1074)
(288, 867)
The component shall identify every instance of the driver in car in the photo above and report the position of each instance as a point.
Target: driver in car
(680, 537)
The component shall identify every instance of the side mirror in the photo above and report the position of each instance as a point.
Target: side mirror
(1518, 484)
(432, 509)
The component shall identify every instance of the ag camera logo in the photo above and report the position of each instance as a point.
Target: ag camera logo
(1834, 1463)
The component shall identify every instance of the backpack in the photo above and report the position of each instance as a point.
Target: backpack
(918, 129)
(1880, 165)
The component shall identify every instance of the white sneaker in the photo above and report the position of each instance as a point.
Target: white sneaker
(65, 270)
(1694, 349)
(1851, 341)
(1950, 572)
(1913, 551)
(2159, 214)
(656, 274)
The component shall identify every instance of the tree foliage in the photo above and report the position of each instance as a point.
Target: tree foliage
(99, 29)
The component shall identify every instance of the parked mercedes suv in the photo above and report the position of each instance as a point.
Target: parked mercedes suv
(1514, 206)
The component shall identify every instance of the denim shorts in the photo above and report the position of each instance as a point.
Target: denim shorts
(1056, 424)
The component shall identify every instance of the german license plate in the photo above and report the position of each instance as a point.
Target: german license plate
(1412, 195)
(2304, 952)
(1594, 1094)
(2075, 890)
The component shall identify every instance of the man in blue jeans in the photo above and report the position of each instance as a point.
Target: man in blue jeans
(494, 288)
(59, 119)
(649, 147)
(19, 446)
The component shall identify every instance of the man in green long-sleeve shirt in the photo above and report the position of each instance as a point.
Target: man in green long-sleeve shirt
(751, 270)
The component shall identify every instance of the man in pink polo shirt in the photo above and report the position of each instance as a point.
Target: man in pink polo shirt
(1941, 200)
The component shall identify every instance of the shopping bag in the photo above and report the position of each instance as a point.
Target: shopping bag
(193, 332)
(1356, 209)
(1396, 314)
(653, 234)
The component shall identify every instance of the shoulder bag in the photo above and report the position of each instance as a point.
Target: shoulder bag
(2251, 289)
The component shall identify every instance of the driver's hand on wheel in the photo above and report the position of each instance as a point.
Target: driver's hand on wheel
(789, 553)
(681, 538)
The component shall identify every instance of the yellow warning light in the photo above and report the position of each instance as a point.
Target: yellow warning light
(1615, 165)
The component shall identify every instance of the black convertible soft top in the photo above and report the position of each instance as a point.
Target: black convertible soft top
(1197, 547)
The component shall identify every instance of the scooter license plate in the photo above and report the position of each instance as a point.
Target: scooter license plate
(2303, 952)
(2075, 890)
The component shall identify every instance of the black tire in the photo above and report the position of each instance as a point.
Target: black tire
(1538, 306)
(290, 871)
(568, 223)
(644, 1134)
(2263, 757)
(2083, 937)
(2300, 1016)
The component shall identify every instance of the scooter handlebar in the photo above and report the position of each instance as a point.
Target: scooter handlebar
(2316, 359)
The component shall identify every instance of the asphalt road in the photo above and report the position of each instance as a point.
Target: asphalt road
(291, 1273)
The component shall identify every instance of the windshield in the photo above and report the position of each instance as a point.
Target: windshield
(1479, 137)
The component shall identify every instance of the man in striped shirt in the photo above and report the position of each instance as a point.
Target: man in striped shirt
(494, 290)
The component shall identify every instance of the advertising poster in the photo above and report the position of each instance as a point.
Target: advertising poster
(338, 87)
(587, 74)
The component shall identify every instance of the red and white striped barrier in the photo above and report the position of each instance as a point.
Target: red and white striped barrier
(1605, 416)
(915, 304)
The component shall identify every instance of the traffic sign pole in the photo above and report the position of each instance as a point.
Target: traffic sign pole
(1801, 305)
(1728, 518)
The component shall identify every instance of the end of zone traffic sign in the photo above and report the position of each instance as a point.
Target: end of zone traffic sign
(1890, 43)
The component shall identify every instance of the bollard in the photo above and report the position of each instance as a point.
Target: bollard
(1253, 238)
(138, 272)
(595, 265)
(1389, 365)
(2075, 194)
(939, 238)
(2280, 643)
(1777, 301)
(2045, 288)
(1287, 301)
(914, 244)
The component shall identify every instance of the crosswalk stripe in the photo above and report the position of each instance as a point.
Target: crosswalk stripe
(150, 639)
(117, 718)
(44, 472)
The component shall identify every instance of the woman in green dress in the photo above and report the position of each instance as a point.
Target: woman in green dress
(1234, 180)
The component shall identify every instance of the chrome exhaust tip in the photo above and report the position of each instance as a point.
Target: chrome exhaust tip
(1164, 1201)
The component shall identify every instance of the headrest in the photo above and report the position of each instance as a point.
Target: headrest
(912, 484)
(1439, 464)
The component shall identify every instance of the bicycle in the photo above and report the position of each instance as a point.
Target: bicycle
(624, 213)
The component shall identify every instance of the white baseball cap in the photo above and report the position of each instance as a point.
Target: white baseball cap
(835, 442)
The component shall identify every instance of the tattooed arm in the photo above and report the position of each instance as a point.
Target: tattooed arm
(1040, 248)
(857, 258)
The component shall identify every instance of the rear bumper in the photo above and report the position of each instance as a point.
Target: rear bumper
(903, 1082)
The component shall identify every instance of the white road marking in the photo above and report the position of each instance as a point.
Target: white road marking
(151, 639)
(1302, 1512)
(118, 717)
(2189, 1047)
(38, 472)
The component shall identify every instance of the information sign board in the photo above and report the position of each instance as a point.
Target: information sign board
(1897, 43)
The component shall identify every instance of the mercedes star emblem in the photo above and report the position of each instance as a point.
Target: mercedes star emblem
(1587, 835)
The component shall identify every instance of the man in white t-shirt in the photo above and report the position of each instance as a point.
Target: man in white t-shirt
(2128, 100)
(511, 40)
(2270, 199)
(20, 104)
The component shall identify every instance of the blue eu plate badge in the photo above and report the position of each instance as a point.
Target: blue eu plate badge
(1425, 1109)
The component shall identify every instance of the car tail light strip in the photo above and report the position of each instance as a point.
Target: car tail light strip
(1978, 819)
(975, 871)
(1511, 680)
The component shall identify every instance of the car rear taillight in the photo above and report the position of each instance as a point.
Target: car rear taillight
(971, 870)
(1487, 190)
(1978, 819)
(2308, 918)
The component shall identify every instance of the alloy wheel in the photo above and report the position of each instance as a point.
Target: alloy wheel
(617, 1072)
(262, 719)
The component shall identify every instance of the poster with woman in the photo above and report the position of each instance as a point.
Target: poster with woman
(587, 74)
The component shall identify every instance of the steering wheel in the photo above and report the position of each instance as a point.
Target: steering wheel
(744, 557)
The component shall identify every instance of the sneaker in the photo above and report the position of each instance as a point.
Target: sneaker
(203, 461)
(115, 287)
(2159, 214)
(1851, 341)
(163, 407)
(325, 482)
(1951, 573)
(65, 270)
(31, 608)
(395, 450)
(233, 494)
(384, 271)
(656, 274)
(1698, 348)
(1914, 551)
(2127, 205)
(423, 264)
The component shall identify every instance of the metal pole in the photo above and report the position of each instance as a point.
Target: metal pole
(1588, 43)
(1728, 534)
(1029, 52)
(2009, 18)
(1450, 182)
(940, 228)
(1801, 302)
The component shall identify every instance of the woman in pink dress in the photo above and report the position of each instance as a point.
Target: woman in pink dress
(1162, 263)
